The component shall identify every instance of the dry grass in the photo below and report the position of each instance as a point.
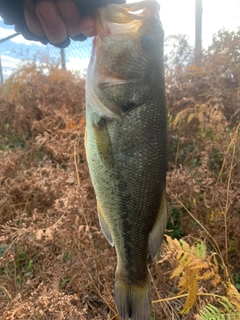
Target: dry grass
(54, 261)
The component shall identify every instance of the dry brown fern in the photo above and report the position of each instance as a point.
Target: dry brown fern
(193, 267)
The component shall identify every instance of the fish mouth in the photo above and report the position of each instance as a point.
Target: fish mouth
(125, 20)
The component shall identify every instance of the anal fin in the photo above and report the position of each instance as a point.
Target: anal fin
(104, 226)
(157, 233)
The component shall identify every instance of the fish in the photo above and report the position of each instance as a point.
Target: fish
(126, 144)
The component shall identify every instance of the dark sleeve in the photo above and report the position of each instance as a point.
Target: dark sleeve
(12, 13)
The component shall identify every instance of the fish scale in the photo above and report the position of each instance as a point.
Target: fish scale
(126, 150)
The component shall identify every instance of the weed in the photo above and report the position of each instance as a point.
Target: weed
(64, 282)
(2, 249)
(174, 224)
(236, 280)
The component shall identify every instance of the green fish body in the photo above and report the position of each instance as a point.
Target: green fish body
(126, 145)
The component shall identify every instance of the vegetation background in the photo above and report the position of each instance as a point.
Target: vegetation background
(54, 260)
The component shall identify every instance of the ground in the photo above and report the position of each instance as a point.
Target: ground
(54, 261)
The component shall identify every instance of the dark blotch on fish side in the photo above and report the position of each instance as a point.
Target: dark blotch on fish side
(148, 44)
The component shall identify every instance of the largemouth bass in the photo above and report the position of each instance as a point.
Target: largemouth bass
(126, 144)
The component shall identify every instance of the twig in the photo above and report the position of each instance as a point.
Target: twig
(233, 140)
(97, 290)
(212, 240)
(6, 291)
(186, 294)
(164, 307)
(227, 206)
(75, 161)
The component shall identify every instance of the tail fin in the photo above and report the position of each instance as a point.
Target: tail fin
(132, 302)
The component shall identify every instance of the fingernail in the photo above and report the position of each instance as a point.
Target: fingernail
(89, 32)
(63, 44)
(33, 24)
(79, 37)
(86, 23)
(48, 13)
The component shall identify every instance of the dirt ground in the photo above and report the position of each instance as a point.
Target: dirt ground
(54, 261)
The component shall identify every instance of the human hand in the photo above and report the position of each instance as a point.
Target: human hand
(56, 19)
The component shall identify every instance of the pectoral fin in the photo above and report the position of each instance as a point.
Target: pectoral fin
(104, 226)
(157, 233)
(103, 141)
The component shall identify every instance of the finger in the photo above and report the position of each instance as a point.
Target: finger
(51, 21)
(69, 14)
(87, 26)
(31, 18)
(72, 18)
